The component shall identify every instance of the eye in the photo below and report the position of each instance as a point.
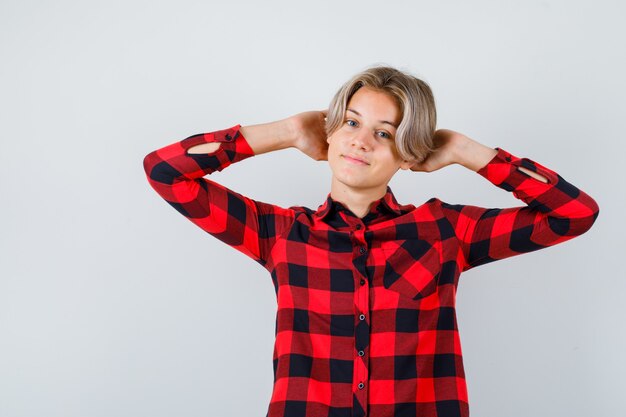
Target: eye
(384, 134)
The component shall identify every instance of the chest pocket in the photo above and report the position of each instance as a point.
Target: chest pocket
(412, 267)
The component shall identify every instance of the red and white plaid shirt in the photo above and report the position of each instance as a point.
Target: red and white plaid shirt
(366, 320)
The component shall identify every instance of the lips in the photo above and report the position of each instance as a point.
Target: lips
(355, 159)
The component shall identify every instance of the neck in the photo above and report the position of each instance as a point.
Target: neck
(357, 200)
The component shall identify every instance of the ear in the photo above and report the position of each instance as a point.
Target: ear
(406, 164)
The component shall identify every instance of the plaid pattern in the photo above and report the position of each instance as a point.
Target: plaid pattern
(366, 321)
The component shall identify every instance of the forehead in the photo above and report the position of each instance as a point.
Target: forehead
(376, 105)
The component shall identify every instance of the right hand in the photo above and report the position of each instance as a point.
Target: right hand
(309, 133)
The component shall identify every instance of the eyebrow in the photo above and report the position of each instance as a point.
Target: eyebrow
(381, 121)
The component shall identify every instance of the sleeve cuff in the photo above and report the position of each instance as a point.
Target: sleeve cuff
(503, 169)
(232, 136)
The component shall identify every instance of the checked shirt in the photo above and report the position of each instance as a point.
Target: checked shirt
(366, 322)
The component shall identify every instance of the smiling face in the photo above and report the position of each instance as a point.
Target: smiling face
(368, 134)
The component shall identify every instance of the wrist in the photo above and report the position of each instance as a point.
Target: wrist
(472, 154)
(268, 137)
(460, 148)
(287, 132)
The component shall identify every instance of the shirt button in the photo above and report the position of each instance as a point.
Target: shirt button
(361, 385)
(508, 159)
(362, 249)
(358, 226)
(362, 282)
(228, 137)
(362, 317)
(361, 353)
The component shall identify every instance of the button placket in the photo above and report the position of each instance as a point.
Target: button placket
(361, 306)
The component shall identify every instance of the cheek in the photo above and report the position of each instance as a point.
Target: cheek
(394, 151)
(390, 165)
(333, 156)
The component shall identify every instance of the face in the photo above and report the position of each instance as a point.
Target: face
(368, 133)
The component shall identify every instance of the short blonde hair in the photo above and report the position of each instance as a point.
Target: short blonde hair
(414, 137)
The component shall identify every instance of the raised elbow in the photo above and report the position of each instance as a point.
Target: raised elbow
(159, 170)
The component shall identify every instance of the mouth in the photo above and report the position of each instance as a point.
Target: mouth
(355, 160)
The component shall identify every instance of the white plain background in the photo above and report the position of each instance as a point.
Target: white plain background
(113, 304)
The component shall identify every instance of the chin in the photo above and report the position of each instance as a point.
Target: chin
(353, 182)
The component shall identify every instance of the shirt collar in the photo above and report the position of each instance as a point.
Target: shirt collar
(386, 202)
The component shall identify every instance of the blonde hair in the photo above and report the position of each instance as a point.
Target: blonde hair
(414, 137)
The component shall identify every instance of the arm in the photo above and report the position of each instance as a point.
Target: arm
(555, 211)
(261, 138)
(473, 155)
(176, 173)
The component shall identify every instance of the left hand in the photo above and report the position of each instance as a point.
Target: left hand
(446, 142)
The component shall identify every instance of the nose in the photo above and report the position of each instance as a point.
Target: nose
(362, 139)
